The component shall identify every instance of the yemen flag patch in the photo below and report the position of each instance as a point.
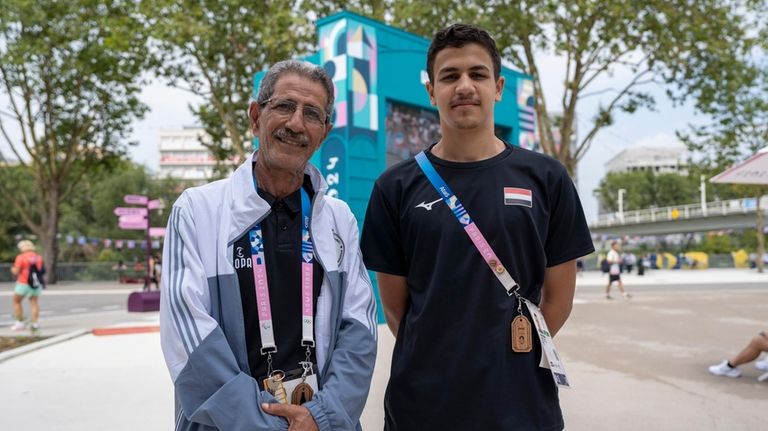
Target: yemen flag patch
(515, 196)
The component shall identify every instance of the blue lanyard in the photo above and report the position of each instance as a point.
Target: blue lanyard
(461, 214)
(263, 305)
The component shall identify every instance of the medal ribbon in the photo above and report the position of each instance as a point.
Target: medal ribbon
(477, 238)
(261, 285)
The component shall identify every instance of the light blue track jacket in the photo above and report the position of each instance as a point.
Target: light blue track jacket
(201, 315)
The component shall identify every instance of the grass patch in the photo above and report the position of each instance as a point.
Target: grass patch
(8, 343)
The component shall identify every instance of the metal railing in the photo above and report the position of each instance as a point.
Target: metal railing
(681, 212)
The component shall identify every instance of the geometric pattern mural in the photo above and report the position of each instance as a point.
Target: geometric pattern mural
(348, 52)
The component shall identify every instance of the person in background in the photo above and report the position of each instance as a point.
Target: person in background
(614, 271)
(729, 367)
(26, 258)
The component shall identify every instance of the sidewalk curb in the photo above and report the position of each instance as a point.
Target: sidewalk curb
(4, 356)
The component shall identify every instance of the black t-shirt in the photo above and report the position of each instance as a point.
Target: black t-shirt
(453, 367)
(281, 230)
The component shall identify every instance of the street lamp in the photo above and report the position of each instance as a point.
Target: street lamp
(621, 204)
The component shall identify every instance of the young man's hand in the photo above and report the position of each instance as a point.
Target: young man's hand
(299, 418)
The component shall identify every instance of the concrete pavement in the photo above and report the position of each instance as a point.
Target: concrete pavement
(635, 365)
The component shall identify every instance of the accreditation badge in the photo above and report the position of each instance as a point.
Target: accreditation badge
(549, 357)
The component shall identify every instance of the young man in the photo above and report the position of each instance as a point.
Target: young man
(21, 267)
(453, 366)
(264, 295)
(614, 271)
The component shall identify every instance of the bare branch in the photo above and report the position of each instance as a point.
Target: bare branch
(615, 59)
(585, 143)
(16, 113)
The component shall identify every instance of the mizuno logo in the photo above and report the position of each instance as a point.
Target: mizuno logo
(428, 206)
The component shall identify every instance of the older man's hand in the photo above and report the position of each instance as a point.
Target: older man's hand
(299, 418)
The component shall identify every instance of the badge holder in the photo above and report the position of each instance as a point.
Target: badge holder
(292, 387)
(522, 339)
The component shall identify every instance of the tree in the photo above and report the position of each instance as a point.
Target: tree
(70, 71)
(686, 45)
(90, 211)
(213, 49)
(646, 189)
(739, 118)
(696, 49)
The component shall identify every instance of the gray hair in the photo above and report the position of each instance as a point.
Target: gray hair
(301, 68)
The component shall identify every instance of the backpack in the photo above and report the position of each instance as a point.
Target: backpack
(35, 279)
(605, 266)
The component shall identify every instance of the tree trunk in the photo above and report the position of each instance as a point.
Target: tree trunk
(49, 236)
(760, 238)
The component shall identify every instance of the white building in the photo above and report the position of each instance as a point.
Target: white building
(183, 156)
(660, 160)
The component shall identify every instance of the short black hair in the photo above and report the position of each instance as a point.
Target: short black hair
(458, 35)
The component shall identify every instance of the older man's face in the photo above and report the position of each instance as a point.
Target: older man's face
(292, 124)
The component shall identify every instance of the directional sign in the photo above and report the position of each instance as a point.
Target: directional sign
(130, 211)
(135, 199)
(133, 219)
(133, 225)
(157, 231)
(154, 204)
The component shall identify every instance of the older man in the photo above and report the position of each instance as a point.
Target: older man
(267, 315)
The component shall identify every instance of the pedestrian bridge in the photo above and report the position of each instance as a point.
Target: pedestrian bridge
(719, 215)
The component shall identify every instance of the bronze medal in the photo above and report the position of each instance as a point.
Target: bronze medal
(301, 394)
(521, 334)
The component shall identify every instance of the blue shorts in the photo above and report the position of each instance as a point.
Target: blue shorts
(25, 290)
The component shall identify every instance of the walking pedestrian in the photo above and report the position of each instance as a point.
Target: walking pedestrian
(29, 269)
(614, 271)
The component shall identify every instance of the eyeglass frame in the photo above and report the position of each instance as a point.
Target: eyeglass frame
(296, 106)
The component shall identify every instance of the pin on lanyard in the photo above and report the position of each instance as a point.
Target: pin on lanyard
(445, 192)
(261, 286)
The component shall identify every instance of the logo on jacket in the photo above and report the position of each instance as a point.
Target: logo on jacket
(427, 206)
(516, 196)
(339, 248)
(240, 260)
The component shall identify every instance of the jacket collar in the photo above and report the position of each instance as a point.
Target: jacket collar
(247, 207)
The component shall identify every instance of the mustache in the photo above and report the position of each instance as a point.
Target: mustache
(289, 135)
(461, 100)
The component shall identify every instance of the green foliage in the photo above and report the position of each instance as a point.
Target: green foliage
(213, 49)
(646, 189)
(70, 72)
(686, 45)
(716, 244)
(91, 212)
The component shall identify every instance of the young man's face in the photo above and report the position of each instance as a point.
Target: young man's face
(292, 125)
(464, 88)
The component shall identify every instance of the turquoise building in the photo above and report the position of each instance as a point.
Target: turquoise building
(382, 113)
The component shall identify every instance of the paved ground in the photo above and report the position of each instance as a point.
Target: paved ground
(635, 365)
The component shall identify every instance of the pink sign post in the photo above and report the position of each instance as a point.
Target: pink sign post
(138, 218)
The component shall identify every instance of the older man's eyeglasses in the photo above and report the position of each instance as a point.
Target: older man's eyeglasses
(286, 108)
